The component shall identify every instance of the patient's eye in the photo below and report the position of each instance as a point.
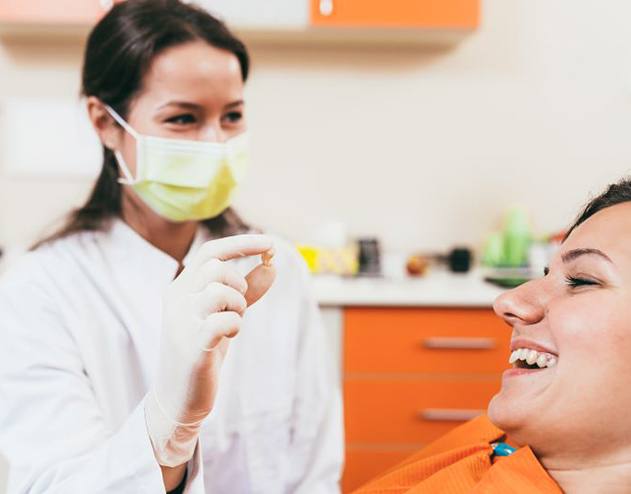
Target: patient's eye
(575, 282)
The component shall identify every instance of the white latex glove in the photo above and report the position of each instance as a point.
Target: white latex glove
(202, 308)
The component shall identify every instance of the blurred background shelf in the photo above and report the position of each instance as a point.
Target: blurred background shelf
(311, 21)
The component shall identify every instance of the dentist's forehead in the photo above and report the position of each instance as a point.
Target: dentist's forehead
(194, 72)
(193, 64)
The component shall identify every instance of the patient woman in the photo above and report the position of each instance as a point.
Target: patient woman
(567, 414)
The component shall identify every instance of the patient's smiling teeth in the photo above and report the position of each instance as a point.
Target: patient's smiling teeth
(531, 357)
(513, 357)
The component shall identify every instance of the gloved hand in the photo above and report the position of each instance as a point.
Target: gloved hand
(202, 308)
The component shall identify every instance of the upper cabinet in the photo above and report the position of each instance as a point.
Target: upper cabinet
(53, 12)
(424, 14)
(317, 20)
(267, 15)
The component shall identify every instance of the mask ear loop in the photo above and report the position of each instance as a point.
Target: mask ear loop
(129, 179)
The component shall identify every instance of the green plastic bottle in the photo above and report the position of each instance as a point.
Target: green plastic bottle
(517, 238)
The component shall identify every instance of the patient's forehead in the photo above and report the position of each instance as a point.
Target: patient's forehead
(608, 230)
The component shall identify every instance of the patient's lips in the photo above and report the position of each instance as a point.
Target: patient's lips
(532, 345)
(525, 357)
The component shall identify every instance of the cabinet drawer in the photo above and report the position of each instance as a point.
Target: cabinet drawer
(412, 411)
(365, 464)
(470, 341)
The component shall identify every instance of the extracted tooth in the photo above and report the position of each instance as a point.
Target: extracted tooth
(513, 357)
(532, 357)
(552, 362)
(542, 361)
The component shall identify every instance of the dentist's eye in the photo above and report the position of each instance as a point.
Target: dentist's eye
(546, 271)
(575, 282)
(233, 117)
(184, 119)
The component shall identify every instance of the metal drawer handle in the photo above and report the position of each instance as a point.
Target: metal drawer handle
(449, 414)
(438, 343)
(326, 7)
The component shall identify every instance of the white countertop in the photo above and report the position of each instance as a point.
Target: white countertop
(438, 288)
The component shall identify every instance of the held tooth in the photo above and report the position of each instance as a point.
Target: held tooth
(542, 360)
(532, 357)
(513, 357)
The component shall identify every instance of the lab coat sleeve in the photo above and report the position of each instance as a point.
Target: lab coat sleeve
(317, 449)
(51, 429)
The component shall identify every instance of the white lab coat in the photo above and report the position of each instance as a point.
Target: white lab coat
(79, 340)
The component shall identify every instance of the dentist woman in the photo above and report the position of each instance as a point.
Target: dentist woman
(118, 367)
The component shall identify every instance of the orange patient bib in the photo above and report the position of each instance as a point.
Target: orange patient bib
(462, 462)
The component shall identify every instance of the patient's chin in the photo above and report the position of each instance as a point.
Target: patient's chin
(506, 414)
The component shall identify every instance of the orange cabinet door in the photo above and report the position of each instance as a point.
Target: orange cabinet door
(449, 341)
(432, 14)
(409, 411)
(53, 11)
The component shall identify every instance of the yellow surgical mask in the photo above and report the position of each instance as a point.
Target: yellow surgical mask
(184, 180)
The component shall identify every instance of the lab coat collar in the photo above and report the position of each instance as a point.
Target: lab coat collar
(129, 246)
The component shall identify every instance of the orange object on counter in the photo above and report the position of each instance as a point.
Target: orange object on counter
(462, 462)
(417, 265)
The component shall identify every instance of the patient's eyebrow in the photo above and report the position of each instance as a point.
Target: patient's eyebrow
(571, 255)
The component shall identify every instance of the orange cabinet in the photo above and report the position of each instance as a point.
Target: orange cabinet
(411, 375)
(53, 11)
(431, 14)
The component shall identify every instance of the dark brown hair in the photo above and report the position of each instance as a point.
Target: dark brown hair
(615, 194)
(118, 54)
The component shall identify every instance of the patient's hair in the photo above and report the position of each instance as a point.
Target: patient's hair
(615, 194)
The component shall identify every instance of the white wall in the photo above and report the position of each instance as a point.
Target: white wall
(423, 147)
(4, 474)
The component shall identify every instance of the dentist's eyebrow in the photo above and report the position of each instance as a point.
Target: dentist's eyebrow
(181, 104)
(194, 106)
(574, 254)
(234, 104)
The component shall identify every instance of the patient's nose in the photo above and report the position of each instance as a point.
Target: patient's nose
(524, 304)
